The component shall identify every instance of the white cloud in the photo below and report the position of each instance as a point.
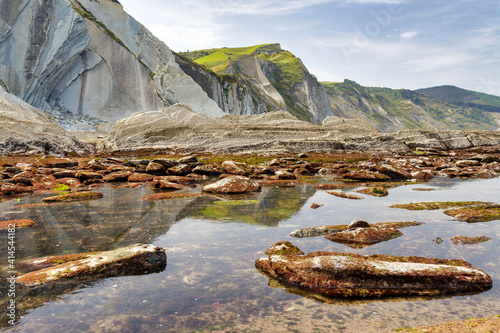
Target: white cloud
(408, 35)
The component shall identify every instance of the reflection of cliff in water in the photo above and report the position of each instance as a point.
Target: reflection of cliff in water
(119, 219)
(268, 207)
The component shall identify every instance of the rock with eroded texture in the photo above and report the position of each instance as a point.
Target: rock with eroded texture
(354, 275)
(232, 185)
(135, 259)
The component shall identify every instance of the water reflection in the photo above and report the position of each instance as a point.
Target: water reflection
(211, 282)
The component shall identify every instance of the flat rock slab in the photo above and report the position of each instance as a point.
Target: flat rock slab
(345, 195)
(75, 196)
(330, 229)
(23, 223)
(464, 240)
(354, 275)
(172, 196)
(484, 213)
(361, 237)
(131, 260)
(233, 185)
(438, 205)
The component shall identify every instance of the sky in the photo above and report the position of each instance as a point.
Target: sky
(398, 44)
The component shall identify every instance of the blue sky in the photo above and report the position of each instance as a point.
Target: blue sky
(382, 43)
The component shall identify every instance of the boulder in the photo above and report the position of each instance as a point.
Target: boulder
(232, 185)
(164, 184)
(393, 172)
(364, 236)
(236, 168)
(131, 260)
(118, 176)
(364, 175)
(140, 177)
(155, 168)
(354, 275)
(86, 175)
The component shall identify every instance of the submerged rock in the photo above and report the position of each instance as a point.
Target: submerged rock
(131, 260)
(464, 240)
(330, 229)
(76, 196)
(364, 236)
(23, 223)
(354, 275)
(232, 185)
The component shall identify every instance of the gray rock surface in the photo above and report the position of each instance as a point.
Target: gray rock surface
(91, 58)
(181, 128)
(24, 129)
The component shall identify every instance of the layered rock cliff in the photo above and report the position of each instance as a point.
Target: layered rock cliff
(257, 79)
(91, 58)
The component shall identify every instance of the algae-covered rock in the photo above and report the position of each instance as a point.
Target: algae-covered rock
(232, 185)
(22, 223)
(76, 196)
(131, 260)
(354, 275)
(364, 236)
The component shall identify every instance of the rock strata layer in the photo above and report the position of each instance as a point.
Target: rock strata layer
(353, 275)
(131, 260)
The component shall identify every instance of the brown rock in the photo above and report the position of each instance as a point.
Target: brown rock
(232, 185)
(364, 175)
(65, 174)
(359, 224)
(155, 168)
(85, 175)
(354, 275)
(316, 206)
(180, 170)
(283, 174)
(75, 196)
(375, 191)
(52, 162)
(393, 173)
(425, 175)
(464, 240)
(140, 177)
(131, 260)
(118, 176)
(208, 169)
(283, 248)
(364, 236)
(236, 168)
(344, 195)
(163, 184)
(17, 224)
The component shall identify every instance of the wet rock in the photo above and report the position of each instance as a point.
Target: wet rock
(163, 184)
(329, 229)
(188, 159)
(344, 195)
(65, 174)
(10, 189)
(425, 175)
(236, 168)
(140, 177)
(75, 196)
(364, 175)
(316, 206)
(359, 224)
(95, 165)
(116, 168)
(155, 168)
(394, 173)
(52, 162)
(483, 213)
(118, 176)
(172, 196)
(208, 169)
(22, 223)
(283, 174)
(375, 191)
(232, 185)
(179, 179)
(167, 163)
(364, 236)
(180, 170)
(466, 163)
(334, 186)
(131, 260)
(85, 175)
(464, 240)
(354, 275)
(283, 248)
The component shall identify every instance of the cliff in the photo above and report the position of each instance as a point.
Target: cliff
(257, 79)
(91, 58)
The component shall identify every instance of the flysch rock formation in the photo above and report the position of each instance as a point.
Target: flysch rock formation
(26, 130)
(353, 275)
(179, 127)
(90, 58)
(131, 260)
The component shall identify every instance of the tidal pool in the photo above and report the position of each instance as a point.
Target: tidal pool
(210, 282)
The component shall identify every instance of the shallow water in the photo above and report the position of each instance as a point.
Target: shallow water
(210, 282)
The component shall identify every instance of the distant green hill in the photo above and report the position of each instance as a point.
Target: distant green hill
(463, 97)
(396, 109)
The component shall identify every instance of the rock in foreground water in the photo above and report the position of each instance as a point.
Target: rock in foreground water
(131, 260)
(232, 185)
(354, 275)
